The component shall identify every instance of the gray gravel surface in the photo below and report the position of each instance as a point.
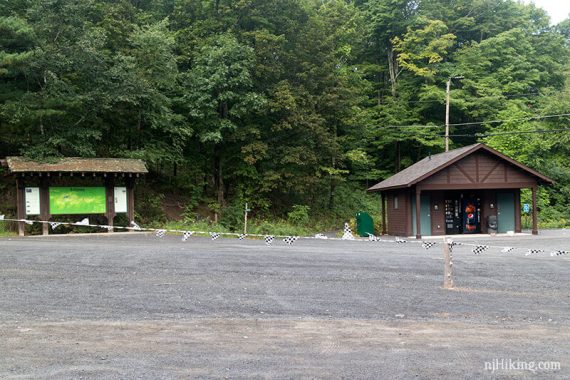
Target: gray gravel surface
(131, 305)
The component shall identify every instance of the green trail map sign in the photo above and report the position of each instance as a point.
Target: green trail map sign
(77, 200)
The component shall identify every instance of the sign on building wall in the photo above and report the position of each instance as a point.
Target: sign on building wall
(120, 199)
(77, 200)
(32, 199)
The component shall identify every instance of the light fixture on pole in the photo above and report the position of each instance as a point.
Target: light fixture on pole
(447, 96)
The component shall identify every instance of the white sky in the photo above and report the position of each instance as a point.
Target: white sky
(558, 10)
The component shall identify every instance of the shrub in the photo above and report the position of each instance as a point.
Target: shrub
(299, 215)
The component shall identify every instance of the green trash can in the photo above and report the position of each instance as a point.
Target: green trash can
(364, 224)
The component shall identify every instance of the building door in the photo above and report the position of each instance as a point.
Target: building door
(425, 216)
(505, 212)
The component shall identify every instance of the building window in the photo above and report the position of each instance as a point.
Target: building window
(395, 202)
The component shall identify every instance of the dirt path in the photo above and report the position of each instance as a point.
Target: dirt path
(273, 348)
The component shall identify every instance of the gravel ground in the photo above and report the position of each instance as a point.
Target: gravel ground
(130, 305)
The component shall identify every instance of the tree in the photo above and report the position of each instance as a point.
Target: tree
(219, 95)
(420, 49)
(144, 88)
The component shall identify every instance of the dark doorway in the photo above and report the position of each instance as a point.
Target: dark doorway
(471, 210)
(462, 213)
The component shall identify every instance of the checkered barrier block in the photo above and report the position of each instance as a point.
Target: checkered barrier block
(428, 244)
(507, 249)
(321, 236)
(347, 235)
(372, 237)
(401, 241)
(241, 236)
(214, 235)
(290, 239)
(559, 253)
(269, 240)
(186, 235)
(479, 249)
(160, 233)
(54, 225)
(533, 252)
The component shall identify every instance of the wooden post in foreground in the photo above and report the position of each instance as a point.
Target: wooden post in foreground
(448, 266)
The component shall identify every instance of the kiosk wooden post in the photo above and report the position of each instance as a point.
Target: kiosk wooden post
(44, 204)
(20, 205)
(110, 195)
(130, 199)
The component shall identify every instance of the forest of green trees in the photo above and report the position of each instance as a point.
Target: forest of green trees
(295, 106)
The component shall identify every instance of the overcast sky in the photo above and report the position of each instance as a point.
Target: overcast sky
(558, 10)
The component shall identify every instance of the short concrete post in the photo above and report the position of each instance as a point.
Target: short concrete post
(448, 265)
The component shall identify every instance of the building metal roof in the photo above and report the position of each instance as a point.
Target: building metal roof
(433, 164)
(77, 165)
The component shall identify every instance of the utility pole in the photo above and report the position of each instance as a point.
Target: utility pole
(447, 114)
(447, 98)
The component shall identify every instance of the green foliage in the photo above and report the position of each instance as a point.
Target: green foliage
(149, 209)
(5, 230)
(350, 198)
(299, 215)
(281, 102)
(420, 49)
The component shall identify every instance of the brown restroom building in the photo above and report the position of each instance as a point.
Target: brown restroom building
(456, 192)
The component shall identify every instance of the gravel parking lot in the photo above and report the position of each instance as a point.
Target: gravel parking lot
(130, 305)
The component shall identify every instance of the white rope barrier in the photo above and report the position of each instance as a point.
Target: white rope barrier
(290, 239)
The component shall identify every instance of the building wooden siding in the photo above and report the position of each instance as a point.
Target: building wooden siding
(480, 169)
(400, 219)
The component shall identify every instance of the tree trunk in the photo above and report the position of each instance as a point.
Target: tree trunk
(218, 177)
(393, 70)
(332, 185)
(398, 158)
(223, 111)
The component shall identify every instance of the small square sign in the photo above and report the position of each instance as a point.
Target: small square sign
(120, 199)
(32, 199)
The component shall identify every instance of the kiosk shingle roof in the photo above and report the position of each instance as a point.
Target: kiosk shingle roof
(77, 165)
